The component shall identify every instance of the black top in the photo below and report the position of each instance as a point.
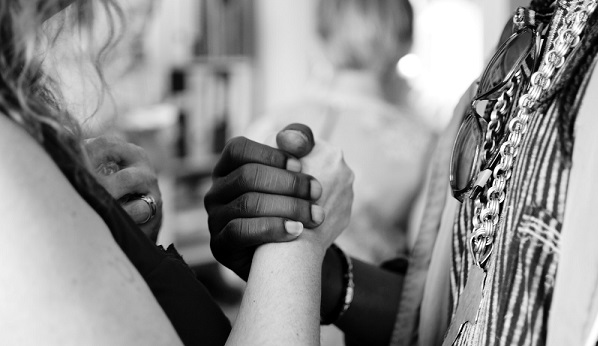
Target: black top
(194, 314)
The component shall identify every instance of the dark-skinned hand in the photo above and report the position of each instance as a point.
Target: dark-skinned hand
(259, 195)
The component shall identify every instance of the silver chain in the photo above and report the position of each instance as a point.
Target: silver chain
(487, 215)
(496, 119)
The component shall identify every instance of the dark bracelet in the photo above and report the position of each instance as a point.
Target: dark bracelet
(349, 287)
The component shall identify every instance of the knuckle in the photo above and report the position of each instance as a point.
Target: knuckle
(216, 226)
(127, 177)
(248, 177)
(236, 146)
(234, 141)
(258, 204)
(253, 204)
(209, 201)
(252, 230)
(241, 228)
(227, 234)
(245, 203)
(296, 184)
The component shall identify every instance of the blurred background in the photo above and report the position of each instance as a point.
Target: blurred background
(187, 75)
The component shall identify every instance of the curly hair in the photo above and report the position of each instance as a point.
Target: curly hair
(28, 95)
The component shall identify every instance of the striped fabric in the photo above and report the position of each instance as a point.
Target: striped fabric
(521, 270)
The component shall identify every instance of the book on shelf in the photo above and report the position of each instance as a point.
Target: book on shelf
(219, 104)
(225, 28)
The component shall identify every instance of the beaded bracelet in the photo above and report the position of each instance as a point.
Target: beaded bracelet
(349, 288)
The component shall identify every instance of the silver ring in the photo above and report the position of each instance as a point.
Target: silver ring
(151, 203)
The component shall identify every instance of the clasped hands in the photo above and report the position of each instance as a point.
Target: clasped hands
(261, 194)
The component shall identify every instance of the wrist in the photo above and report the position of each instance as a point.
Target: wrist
(312, 245)
(308, 252)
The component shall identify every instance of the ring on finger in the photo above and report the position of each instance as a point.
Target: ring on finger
(151, 203)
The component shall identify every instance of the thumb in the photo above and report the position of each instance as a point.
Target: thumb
(296, 139)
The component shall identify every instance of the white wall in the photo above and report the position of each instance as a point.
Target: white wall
(496, 13)
(285, 38)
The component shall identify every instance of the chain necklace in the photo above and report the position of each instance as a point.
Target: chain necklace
(567, 25)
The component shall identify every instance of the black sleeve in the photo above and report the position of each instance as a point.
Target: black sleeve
(195, 315)
(397, 265)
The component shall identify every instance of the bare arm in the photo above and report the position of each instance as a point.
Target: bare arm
(377, 292)
(281, 305)
(67, 275)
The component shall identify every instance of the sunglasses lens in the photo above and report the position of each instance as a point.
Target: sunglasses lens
(508, 59)
(464, 162)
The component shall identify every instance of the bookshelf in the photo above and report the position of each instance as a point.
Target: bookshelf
(214, 89)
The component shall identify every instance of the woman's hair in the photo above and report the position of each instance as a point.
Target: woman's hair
(365, 34)
(28, 95)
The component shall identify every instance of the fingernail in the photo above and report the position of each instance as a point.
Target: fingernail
(315, 190)
(296, 135)
(295, 140)
(293, 227)
(317, 214)
(293, 165)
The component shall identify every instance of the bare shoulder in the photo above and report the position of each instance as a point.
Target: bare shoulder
(16, 146)
(63, 266)
(33, 185)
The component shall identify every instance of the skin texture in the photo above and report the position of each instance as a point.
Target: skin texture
(370, 318)
(125, 171)
(282, 300)
(257, 190)
(102, 298)
(296, 139)
(91, 293)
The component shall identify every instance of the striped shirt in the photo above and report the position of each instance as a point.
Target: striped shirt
(520, 274)
(521, 270)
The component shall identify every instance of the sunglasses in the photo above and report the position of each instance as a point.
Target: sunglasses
(473, 158)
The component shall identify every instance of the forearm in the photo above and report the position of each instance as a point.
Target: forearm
(377, 293)
(282, 300)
